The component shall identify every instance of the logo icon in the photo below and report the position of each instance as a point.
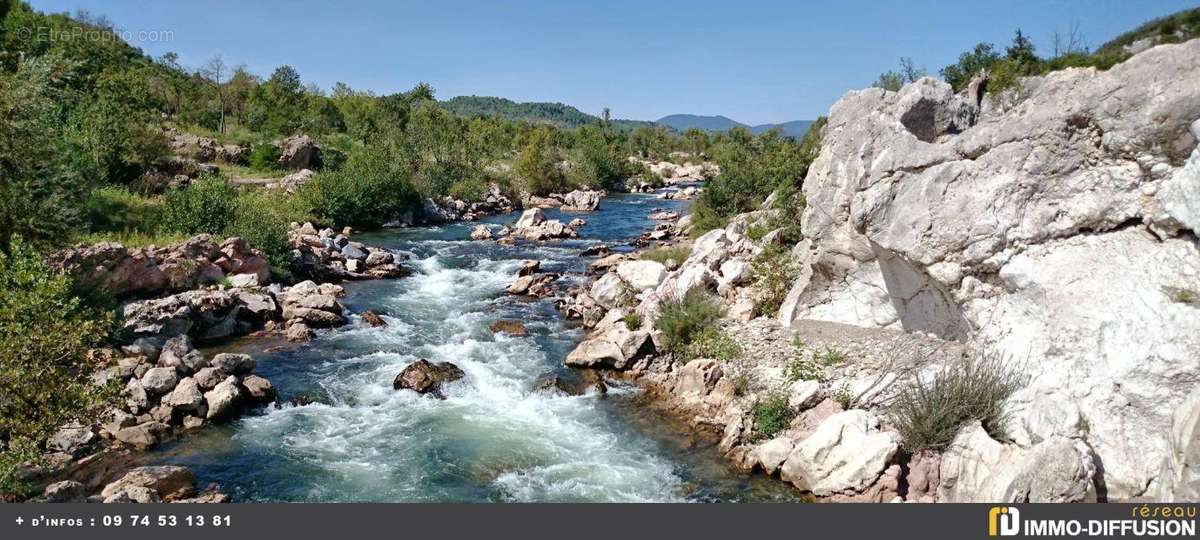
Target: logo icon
(1003, 521)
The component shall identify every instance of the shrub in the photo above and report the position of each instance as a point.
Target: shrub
(929, 413)
(45, 333)
(774, 272)
(116, 209)
(713, 343)
(371, 189)
(772, 413)
(262, 219)
(681, 320)
(469, 189)
(538, 167)
(667, 253)
(633, 321)
(264, 157)
(205, 206)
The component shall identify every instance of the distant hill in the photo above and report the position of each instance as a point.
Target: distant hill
(682, 122)
(557, 114)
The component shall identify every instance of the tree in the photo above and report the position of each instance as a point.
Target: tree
(41, 194)
(895, 80)
(982, 57)
(277, 105)
(213, 73)
(45, 333)
(537, 166)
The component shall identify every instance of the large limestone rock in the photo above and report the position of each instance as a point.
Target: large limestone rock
(1050, 225)
(846, 453)
(642, 275)
(978, 468)
(1180, 480)
(581, 201)
(163, 480)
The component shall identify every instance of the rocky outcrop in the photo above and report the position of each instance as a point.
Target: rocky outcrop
(1179, 480)
(111, 268)
(977, 468)
(493, 202)
(533, 226)
(299, 152)
(1050, 225)
(326, 255)
(847, 452)
(581, 201)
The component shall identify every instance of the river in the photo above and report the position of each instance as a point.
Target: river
(492, 439)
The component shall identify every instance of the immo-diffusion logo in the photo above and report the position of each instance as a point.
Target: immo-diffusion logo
(1145, 520)
(1004, 521)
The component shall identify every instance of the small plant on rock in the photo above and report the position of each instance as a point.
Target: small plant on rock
(774, 272)
(772, 413)
(633, 321)
(712, 343)
(681, 320)
(928, 413)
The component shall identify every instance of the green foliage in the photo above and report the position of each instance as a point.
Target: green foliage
(372, 188)
(1174, 28)
(711, 342)
(633, 321)
(116, 209)
(264, 158)
(262, 219)
(929, 412)
(895, 80)
(677, 253)
(774, 271)
(682, 320)
(772, 414)
(206, 205)
(982, 57)
(45, 333)
(598, 164)
(278, 105)
(537, 165)
(41, 192)
(741, 382)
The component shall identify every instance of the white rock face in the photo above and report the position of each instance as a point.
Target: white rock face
(642, 275)
(1049, 229)
(1180, 481)
(847, 452)
(531, 218)
(608, 291)
(771, 454)
(977, 468)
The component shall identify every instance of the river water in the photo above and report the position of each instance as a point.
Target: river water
(492, 439)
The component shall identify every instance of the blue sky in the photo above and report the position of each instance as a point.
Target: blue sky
(753, 61)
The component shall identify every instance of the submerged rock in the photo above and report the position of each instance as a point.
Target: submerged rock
(577, 384)
(510, 327)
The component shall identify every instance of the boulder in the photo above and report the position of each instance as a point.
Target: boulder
(73, 439)
(64, 491)
(164, 480)
(299, 152)
(143, 435)
(1047, 223)
(1180, 477)
(179, 353)
(977, 468)
(510, 327)
(530, 218)
(159, 380)
(259, 389)
(223, 399)
(609, 291)
(186, 396)
(846, 453)
(581, 201)
(372, 318)
(481, 232)
(293, 182)
(642, 275)
(425, 377)
(578, 383)
(529, 267)
(233, 364)
(772, 454)
(299, 332)
(209, 377)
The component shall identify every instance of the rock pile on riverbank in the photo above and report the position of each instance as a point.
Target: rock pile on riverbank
(327, 255)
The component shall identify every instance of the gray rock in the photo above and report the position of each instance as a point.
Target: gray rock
(143, 435)
(223, 400)
(179, 353)
(209, 377)
(259, 389)
(233, 364)
(186, 396)
(64, 491)
(160, 380)
(163, 480)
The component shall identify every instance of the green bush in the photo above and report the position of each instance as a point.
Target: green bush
(264, 157)
(713, 343)
(681, 320)
(772, 414)
(633, 321)
(262, 219)
(929, 413)
(372, 188)
(207, 205)
(538, 167)
(45, 333)
(470, 189)
(774, 272)
(116, 209)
